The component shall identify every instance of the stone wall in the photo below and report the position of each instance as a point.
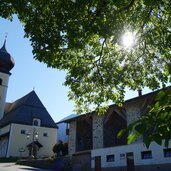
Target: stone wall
(134, 110)
(97, 131)
(72, 138)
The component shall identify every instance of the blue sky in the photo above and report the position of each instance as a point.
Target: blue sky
(29, 74)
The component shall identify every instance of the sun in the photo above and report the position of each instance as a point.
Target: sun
(128, 40)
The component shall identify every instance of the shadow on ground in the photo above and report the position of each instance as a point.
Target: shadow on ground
(58, 164)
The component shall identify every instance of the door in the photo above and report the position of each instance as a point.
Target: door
(130, 161)
(81, 162)
(98, 163)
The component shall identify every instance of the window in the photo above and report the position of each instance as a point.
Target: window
(0, 145)
(23, 131)
(36, 122)
(0, 81)
(45, 134)
(146, 155)
(110, 158)
(122, 156)
(167, 152)
(67, 131)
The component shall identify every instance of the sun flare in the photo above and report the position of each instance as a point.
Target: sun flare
(128, 40)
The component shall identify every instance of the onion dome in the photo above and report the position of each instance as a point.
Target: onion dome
(6, 60)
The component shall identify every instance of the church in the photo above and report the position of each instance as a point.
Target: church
(26, 127)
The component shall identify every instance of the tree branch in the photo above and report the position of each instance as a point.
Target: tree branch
(146, 19)
(127, 7)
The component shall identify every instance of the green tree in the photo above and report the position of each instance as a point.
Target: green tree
(58, 148)
(156, 124)
(84, 38)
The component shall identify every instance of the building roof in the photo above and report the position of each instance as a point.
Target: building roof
(7, 62)
(76, 116)
(69, 117)
(23, 110)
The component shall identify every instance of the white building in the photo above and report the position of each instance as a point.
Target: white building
(93, 142)
(26, 128)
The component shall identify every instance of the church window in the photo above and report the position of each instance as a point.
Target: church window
(36, 122)
(167, 152)
(0, 81)
(146, 155)
(45, 134)
(110, 158)
(23, 131)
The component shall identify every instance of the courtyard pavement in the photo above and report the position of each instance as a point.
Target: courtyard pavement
(14, 167)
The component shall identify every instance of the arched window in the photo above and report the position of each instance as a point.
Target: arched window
(113, 123)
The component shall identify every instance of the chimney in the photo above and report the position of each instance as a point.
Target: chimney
(140, 92)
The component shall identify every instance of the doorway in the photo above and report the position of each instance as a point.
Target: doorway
(130, 161)
(98, 163)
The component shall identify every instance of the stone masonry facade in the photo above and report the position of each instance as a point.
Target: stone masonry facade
(133, 109)
(72, 138)
(97, 131)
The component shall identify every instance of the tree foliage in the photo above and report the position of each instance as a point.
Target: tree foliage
(85, 38)
(57, 148)
(60, 148)
(154, 125)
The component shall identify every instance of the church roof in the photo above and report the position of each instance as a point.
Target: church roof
(7, 62)
(23, 110)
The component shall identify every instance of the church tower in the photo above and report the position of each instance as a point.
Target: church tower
(6, 64)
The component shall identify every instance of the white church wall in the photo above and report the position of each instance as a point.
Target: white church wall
(3, 146)
(4, 140)
(4, 130)
(3, 91)
(46, 137)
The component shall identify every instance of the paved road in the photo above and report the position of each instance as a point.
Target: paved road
(14, 167)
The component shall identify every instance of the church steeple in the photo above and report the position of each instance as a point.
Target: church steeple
(6, 64)
(6, 60)
(3, 47)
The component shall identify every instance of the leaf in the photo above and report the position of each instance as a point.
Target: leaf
(160, 95)
(157, 138)
(133, 136)
(148, 141)
(141, 128)
(132, 125)
(166, 143)
(121, 133)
